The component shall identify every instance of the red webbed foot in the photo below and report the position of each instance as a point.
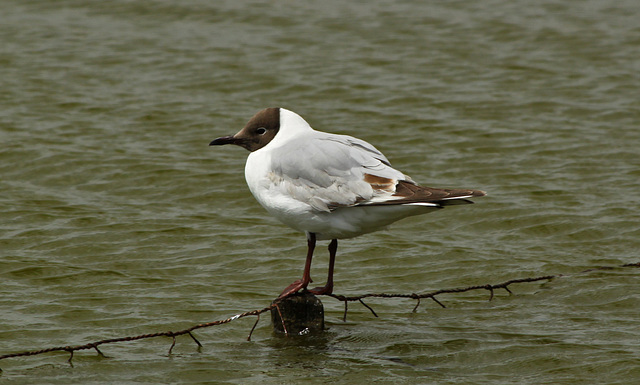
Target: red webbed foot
(295, 287)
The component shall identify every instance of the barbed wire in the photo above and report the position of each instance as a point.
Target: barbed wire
(432, 295)
(346, 299)
(172, 334)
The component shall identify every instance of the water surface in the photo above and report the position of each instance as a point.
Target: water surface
(117, 218)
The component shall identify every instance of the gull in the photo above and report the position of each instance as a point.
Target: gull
(328, 186)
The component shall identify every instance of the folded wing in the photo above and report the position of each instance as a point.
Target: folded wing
(329, 171)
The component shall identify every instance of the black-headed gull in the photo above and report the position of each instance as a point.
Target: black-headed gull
(328, 186)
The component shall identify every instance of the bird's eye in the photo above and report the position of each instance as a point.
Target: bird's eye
(261, 131)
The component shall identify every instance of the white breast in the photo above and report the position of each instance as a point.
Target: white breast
(272, 193)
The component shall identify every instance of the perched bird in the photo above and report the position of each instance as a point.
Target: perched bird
(329, 186)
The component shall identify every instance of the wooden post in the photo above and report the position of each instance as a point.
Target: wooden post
(299, 314)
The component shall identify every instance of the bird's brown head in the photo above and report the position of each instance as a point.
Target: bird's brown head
(257, 133)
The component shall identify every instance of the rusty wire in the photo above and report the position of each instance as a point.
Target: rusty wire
(94, 345)
(346, 299)
(432, 295)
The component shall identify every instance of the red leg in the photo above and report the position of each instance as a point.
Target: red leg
(306, 275)
(328, 288)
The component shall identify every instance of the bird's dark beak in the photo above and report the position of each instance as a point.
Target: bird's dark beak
(225, 140)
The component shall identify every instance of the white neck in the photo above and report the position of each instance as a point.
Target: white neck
(291, 125)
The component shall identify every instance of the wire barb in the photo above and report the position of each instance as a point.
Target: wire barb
(253, 328)
(433, 297)
(490, 288)
(172, 344)
(99, 352)
(284, 327)
(195, 339)
(368, 307)
(70, 356)
(415, 309)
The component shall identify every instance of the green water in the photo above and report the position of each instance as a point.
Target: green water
(117, 219)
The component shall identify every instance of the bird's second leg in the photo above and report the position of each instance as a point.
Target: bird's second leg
(300, 284)
(328, 288)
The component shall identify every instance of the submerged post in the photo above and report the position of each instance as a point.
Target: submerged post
(299, 314)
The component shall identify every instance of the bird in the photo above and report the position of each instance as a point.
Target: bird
(327, 185)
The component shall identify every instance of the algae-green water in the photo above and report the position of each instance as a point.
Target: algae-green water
(117, 219)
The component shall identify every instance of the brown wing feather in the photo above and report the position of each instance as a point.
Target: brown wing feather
(380, 183)
(408, 192)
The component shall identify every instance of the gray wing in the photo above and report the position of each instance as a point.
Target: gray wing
(328, 171)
